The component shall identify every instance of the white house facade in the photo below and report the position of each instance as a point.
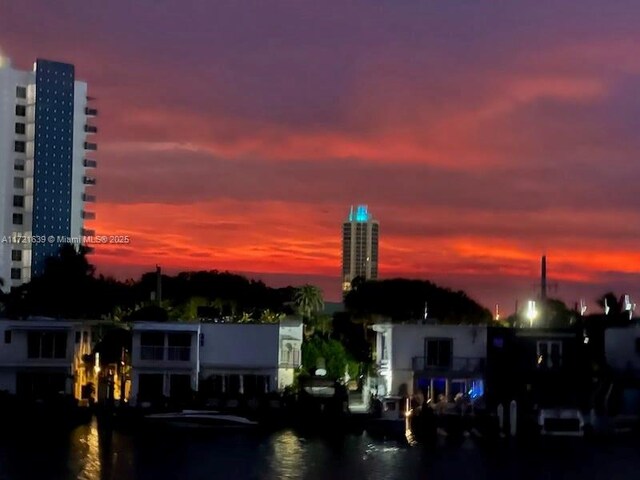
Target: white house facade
(433, 359)
(164, 361)
(175, 360)
(249, 359)
(44, 357)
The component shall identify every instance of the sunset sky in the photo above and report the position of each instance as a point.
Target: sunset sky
(234, 135)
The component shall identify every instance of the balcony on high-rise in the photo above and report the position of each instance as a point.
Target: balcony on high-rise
(88, 180)
(90, 146)
(91, 129)
(88, 198)
(88, 215)
(88, 163)
(91, 112)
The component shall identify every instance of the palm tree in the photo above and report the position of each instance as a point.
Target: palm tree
(308, 301)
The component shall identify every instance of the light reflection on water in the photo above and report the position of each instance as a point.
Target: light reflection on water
(90, 453)
(88, 442)
(286, 459)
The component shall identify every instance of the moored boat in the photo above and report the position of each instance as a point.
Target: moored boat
(392, 421)
(200, 419)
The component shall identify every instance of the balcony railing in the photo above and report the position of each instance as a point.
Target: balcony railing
(151, 352)
(179, 354)
(91, 129)
(88, 163)
(88, 180)
(88, 198)
(91, 112)
(457, 364)
(90, 146)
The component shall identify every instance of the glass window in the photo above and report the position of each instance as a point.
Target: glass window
(21, 92)
(18, 182)
(16, 274)
(21, 111)
(439, 353)
(7, 336)
(18, 201)
(16, 255)
(21, 128)
(19, 146)
(17, 219)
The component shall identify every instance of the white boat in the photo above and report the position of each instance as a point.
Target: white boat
(394, 419)
(200, 419)
(561, 421)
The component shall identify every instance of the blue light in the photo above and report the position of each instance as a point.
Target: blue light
(477, 389)
(361, 214)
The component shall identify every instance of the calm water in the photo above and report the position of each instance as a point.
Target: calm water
(87, 453)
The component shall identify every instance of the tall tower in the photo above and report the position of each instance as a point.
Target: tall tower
(359, 246)
(45, 149)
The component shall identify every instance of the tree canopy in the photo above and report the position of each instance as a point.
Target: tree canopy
(69, 288)
(405, 300)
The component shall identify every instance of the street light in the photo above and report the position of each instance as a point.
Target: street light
(532, 313)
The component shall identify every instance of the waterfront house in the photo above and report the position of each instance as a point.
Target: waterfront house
(439, 361)
(539, 368)
(248, 358)
(164, 361)
(41, 357)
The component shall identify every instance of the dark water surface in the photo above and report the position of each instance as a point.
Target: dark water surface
(87, 453)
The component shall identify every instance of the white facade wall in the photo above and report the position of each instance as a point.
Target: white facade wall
(621, 347)
(78, 169)
(14, 356)
(11, 78)
(398, 344)
(165, 366)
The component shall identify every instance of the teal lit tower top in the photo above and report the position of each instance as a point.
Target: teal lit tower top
(360, 233)
(360, 214)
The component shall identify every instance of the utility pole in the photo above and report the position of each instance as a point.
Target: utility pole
(158, 285)
(543, 279)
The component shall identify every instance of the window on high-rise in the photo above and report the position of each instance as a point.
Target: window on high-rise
(18, 201)
(19, 146)
(16, 274)
(18, 165)
(16, 255)
(18, 219)
(21, 111)
(18, 182)
(21, 92)
(21, 128)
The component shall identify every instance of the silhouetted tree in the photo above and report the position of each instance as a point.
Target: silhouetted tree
(308, 302)
(404, 300)
(610, 301)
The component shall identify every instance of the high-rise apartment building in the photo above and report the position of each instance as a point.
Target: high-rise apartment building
(45, 162)
(359, 246)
